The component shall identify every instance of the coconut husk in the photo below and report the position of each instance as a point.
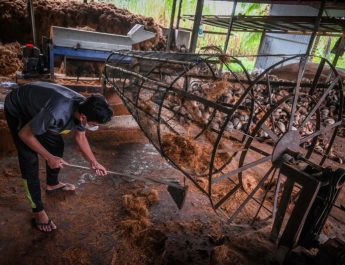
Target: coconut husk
(137, 206)
(193, 110)
(153, 197)
(194, 156)
(10, 58)
(224, 254)
(186, 152)
(134, 226)
(217, 89)
(146, 107)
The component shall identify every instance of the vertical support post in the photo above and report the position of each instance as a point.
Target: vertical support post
(280, 214)
(328, 48)
(338, 51)
(32, 17)
(51, 61)
(335, 60)
(299, 214)
(196, 25)
(179, 15)
(226, 44)
(104, 84)
(316, 27)
(262, 38)
(171, 26)
(65, 64)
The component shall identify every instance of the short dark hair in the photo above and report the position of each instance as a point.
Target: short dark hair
(96, 109)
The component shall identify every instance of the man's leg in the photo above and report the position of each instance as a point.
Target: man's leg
(28, 162)
(55, 145)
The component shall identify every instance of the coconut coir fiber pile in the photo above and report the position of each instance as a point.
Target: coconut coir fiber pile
(136, 205)
(10, 58)
(15, 23)
(190, 154)
(141, 242)
(186, 152)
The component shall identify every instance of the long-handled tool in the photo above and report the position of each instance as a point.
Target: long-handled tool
(177, 192)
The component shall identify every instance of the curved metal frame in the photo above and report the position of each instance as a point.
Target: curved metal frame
(180, 67)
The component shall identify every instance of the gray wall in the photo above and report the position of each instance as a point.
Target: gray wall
(284, 43)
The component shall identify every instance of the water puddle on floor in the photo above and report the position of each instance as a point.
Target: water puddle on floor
(146, 159)
(135, 159)
(88, 178)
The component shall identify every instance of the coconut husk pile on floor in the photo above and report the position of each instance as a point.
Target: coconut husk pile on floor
(10, 58)
(137, 206)
(141, 242)
(15, 22)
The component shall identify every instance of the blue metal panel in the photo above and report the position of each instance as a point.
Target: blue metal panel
(82, 54)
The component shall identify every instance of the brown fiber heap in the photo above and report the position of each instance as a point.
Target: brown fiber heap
(10, 60)
(136, 205)
(186, 153)
(15, 23)
(191, 155)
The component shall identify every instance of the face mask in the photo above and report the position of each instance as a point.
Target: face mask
(91, 128)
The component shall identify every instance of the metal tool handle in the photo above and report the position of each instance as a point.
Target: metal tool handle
(174, 183)
(90, 169)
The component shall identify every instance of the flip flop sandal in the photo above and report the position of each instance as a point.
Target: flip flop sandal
(37, 225)
(62, 188)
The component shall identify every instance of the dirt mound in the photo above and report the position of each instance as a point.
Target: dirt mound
(15, 22)
(10, 58)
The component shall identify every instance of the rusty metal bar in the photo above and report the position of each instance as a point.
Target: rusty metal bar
(196, 25)
(234, 4)
(171, 27)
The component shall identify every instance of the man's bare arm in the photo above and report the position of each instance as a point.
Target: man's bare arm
(84, 146)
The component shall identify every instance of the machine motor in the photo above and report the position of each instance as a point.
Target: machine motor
(33, 61)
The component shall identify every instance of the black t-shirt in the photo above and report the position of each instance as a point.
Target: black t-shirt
(46, 106)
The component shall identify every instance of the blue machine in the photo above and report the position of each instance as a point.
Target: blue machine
(92, 46)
